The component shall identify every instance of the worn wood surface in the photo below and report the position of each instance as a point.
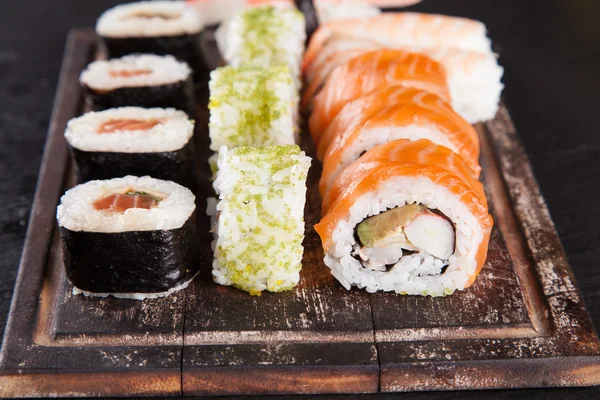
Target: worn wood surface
(522, 324)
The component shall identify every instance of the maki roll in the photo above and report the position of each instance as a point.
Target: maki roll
(133, 141)
(129, 237)
(155, 27)
(260, 217)
(263, 37)
(143, 80)
(417, 226)
(251, 106)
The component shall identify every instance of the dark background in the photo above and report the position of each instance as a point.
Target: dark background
(550, 50)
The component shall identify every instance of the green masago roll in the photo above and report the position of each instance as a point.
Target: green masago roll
(251, 107)
(264, 37)
(259, 217)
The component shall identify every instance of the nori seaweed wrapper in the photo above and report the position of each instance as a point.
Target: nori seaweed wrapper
(186, 48)
(179, 95)
(177, 166)
(131, 262)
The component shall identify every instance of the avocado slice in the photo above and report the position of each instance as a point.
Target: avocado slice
(387, 228)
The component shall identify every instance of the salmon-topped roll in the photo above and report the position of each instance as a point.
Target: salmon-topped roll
(404, 29)
(330, 52)
(371, 71)
(316, 76)
(474, 78)
(407, 151)
(389, 114)
(413, 228)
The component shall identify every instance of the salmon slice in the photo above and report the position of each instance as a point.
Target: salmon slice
(335, 45)
(371, 71)
(406, 151)
(356, 113)
(128, 125)
(121, 202)
(370, 180)
(316, 77)
(473, 77)
(128, 73)
(404, 29)
(390, 114)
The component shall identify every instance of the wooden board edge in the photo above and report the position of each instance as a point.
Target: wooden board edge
(41, 220)
(491, 374)
(154, 382)
(261, 380)
(300, 368)
(561, 298)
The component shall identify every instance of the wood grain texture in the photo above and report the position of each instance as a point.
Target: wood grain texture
(532, 329)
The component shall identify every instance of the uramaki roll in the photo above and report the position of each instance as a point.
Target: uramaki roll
(412, 228)
(474, 78)
(252, 106)
(404, 29)
(390, 114)
(371, 71)
(259, 218)
(264, 36)
(406, 151)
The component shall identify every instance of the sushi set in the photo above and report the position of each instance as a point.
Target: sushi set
(233, 201)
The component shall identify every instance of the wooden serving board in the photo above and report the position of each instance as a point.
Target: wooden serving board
(522, 324)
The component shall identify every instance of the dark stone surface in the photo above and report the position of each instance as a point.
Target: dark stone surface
(550, 50)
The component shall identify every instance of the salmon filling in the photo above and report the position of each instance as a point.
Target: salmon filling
(128, 73)
(384, 238)
(128, 125)
(121, 202)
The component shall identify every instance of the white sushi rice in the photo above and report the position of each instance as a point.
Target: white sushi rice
(370, 138)
(172, 133)
(333, 10)
(146, 19)
(164, 70)
(136, 296)
(474, 80)
(278, 39)
(260, 224)
(251, 107)
(77, 213)
(417, 274)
